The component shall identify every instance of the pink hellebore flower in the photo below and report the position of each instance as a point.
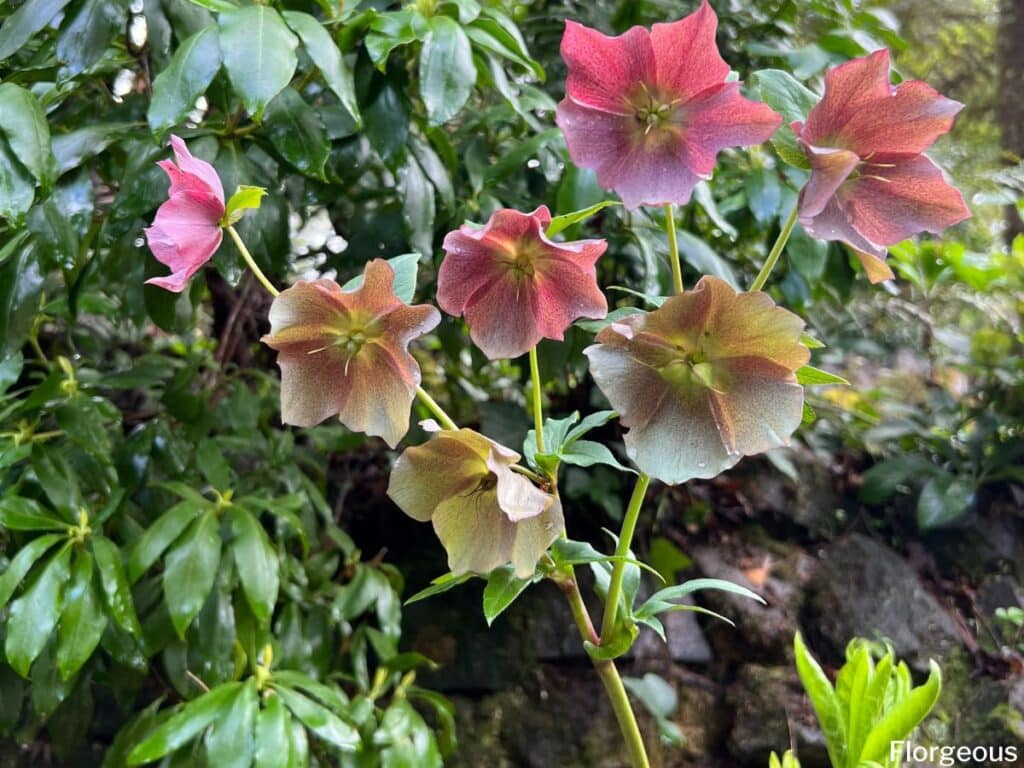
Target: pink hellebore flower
(345, 353)
(704, 380)
(650, 111)
(870, 186)
(484, 513)
(514, 285)
(187, 228)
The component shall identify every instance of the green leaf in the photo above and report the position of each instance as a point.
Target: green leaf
(187, 76)
(58, 479)
(256, 562)
(566, 220)
(116, 591)
(320, 720)
(34, 615)
(297, 133)
(22, 25)
(219, 6)
(259, 54)
(271, 733)
(882, 481)
(84, 40)
(229, 740)
(406, 267)
(900, 721)
(703, 258)
(447, 72)
(661, 600)
(185, 725)
(72, 148)
(418, 206)
(786, 95)
(17, 190)
(501, 591)
(702, 194)
(810, 342)
(809, 375)
(764, 194)
(869, 706)
(23, 122)
(22, 563)
(159, 536)
(82, 622)
(823, 699)
(586, 453)
(328, 59)
(20, 514)
(191, 567)
(439, 586)
(622, 640)
(944, 499)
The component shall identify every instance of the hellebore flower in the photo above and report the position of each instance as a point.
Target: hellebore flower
(650, 111)
(187, 228)
(870, 186)
(515, 286)
(702, 381)
(346, 353)
(485, 514)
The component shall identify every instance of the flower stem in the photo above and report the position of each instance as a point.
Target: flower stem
(611, 605)
(606, 670)
(776, 251)
(673, 249)
(538, 408)
(250, 262)
(443, 418)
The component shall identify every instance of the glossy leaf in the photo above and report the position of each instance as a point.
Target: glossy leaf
(191, 70)
(20, 514)
(190, 570)
(23, 123)
(84, 40)
(116, 591)
(325, 54)
(259, 54)
(501, 591)
(256, 562)
(159, 536)
(297, 133)
(320, 720)
(33, 616)
(823, 699)
(22, 563)
(566, 220)
(271, 733)
(82, 622)
(230, 741)
(447, 72)
(900, 721)
(185, 725)
(22, 25)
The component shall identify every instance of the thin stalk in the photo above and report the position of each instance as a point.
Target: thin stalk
(250, 262)
(439, 413)
(538, 408)
(606, 670)
(673, 249)
(776, 252)
(611, 605)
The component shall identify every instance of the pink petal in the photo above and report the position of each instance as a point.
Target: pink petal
(183, 248)
(198, 168)
(848, 87)
(829, 169)
(721, 117)
(833, 223)
(896, 197)
(761, 409)
(687, 55)
(313, 383)
(377, 392)
(605, 71)
(503, 317)
(306, 312)
(607, 144)
(566, 293)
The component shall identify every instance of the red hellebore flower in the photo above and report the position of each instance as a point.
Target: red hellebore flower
(514, 285)
(346, 353)
(187, 228)
(650, 111)
(705, 379)
(870, 186)
(485, 514)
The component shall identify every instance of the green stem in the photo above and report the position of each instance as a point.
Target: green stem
(251, 262)
(611, 605)
(606, 670)
(673, 249)
(443, 418)
(538, 408)
(776, 251)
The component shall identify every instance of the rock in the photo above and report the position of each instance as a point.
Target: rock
(770, 711)
(684, 640)
(763, 632)
(865, 589)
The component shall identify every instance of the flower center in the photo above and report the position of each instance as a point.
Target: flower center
(691, 369)
(653, 111)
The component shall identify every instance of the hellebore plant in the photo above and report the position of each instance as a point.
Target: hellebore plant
(708, 377)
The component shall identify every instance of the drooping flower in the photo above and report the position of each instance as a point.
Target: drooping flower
(515, 286)
(650, 111)
(346, 353)
(870, 184)
(703, 380)
(485, 514)
(187, 229)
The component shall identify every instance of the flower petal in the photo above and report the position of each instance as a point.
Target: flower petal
(762, 408)
(313, 383)
(833, 223)
(378, 387)
(502, 318)
(450, 464)
(849, 87)
(687, 55)
(183, 247)
(533, 536)
(198, 168)
(829, 169)
(518, 498)
(603, 71)
(473, 531)
(908, 195)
